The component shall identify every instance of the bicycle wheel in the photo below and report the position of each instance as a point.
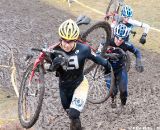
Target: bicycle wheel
(98, 91)
(31, 97)
(97, 37)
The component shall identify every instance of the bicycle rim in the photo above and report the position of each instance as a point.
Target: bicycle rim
(98, 91)
(98, 33)
(31, 97)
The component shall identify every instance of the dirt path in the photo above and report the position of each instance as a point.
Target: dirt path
(25, 23)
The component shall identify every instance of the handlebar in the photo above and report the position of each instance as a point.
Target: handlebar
(113, 55)
(51, 51)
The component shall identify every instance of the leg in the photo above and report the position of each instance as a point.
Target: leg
(65, 98)
(123, 86)
(77, 104)
(108, 84)
(75, 120)
(115, 90)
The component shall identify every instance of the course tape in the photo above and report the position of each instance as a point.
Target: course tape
(99, 12)
(13, 75)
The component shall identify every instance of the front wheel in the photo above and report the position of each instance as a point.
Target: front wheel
(31, 97)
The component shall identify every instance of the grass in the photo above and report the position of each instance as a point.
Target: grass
(8, 111)
(143, 11)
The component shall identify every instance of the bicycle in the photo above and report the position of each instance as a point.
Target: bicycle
(33, 82)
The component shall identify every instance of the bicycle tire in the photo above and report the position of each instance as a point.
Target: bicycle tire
(87, 70)
(104, 93)
(107, 29)
(29, 123)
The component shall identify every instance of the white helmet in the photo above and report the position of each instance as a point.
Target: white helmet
(121, 30)
(126, 11)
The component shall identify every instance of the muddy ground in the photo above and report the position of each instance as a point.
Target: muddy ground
(24, 24)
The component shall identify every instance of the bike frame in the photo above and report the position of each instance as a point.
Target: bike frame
(38, 61)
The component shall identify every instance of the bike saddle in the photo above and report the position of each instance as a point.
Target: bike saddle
(82, 19)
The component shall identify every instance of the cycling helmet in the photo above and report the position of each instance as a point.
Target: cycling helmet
(69, 30)
(126, 11)
(121, 31)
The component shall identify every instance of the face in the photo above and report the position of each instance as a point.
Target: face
(118, 41)
(67, 45)
(125, 20)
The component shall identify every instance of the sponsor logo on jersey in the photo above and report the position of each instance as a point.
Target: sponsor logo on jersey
(93, 53)
(78, 102)
(77, 51)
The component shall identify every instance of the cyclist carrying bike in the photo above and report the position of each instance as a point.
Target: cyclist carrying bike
(121, 32)
(72, 83)
(126, 18)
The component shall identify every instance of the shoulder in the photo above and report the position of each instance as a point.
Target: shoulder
(82, 46)
(85, 49)
(128, 44)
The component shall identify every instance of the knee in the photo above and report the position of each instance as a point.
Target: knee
(73, 113)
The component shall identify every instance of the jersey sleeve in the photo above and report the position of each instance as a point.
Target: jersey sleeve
(134, 50)
(139, 24)
(98, 59)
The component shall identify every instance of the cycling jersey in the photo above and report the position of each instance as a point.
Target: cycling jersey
(130, 23)
(73, 73)
(71, 76)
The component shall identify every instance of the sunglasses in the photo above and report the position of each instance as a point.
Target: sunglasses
(67, 41)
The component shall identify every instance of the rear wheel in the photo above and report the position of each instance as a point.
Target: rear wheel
(96, 37)
(98, 91)
(31, 97)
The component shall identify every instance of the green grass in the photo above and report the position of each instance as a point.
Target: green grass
(145, 11)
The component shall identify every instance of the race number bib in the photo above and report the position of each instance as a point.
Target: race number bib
(73, 63)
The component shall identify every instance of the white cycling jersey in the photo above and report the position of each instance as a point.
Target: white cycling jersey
(136, 23)
(130, 23)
